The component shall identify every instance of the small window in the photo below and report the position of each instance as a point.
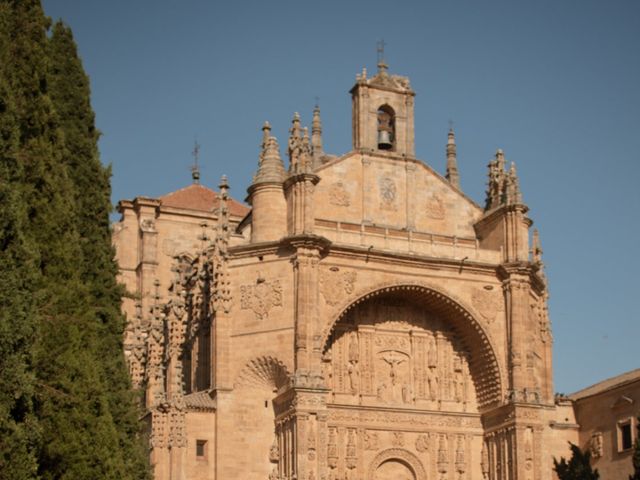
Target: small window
(625, 435)
(201, 449)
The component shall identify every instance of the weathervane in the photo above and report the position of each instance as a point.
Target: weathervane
(195, 168)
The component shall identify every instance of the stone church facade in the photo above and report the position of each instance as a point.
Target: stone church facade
(364, 319)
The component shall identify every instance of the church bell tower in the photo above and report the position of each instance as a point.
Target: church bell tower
(383, 113)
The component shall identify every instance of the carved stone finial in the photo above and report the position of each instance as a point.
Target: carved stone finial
(452, 163)
(271, 167)
(503, 186)
(513, 186)
(295, 143)
(536, 249)
(266, 133)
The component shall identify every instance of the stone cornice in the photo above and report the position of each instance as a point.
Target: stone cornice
(494, 214)
(310, 241)
(411, 259)
(300, 177)
(524, 269)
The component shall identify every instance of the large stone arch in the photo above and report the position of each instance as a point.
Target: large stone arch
(400, 455)
(486, 367)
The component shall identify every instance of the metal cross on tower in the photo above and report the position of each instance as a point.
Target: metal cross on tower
(380, 50)
(195, 168)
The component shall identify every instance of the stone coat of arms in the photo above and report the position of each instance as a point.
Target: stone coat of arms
(335, 285)
(261, 297)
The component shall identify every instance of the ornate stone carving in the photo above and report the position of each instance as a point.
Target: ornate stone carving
(401, 363)
(460, 460)
(311, 441)
(335, 284)
(351, 454)
(338, 195)
(443, 456)
(488, 303)
(434, 208)
(261, 297)
(387, 193)
(264, 371)
(595, 445)
(371, 440)
(422, 443)
(397, 454)
(484, 460)
(332, 448)
(397, 439)
(274, 451)
(148, 225)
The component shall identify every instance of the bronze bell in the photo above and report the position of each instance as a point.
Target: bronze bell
(384, 140)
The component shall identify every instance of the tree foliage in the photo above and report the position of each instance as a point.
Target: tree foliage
(577, 468)
(66, 406)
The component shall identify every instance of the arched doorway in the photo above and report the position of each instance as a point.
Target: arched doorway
(409, 371)
(396, 464)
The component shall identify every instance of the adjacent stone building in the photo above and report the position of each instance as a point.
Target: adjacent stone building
(364, 319)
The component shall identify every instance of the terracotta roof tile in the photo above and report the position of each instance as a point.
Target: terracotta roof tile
(200, 401)
(198, 197)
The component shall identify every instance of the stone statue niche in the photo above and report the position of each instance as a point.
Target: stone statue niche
(393, 353)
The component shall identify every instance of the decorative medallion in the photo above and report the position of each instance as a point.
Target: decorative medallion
(388, 193)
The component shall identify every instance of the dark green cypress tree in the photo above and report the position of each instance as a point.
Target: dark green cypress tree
(57, 235)
(577, 468)
(18, 425)
(70, 92)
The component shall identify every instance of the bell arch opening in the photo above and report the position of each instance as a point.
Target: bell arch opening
(386, 128)
(411, 346)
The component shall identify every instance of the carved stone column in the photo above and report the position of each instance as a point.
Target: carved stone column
(516, 286)
(308, 251)
(146, 211)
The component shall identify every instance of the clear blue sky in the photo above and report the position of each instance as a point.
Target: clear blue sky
(556, 84)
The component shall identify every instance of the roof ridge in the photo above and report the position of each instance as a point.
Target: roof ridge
(198, 185)
(606, 384)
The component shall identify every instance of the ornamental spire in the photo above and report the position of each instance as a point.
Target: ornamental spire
(513, 186)
(452, 163)
(503, 186)
(270, 168)
(295, 142)
(316, 137)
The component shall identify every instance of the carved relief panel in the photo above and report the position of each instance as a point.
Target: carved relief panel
(398, 355)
